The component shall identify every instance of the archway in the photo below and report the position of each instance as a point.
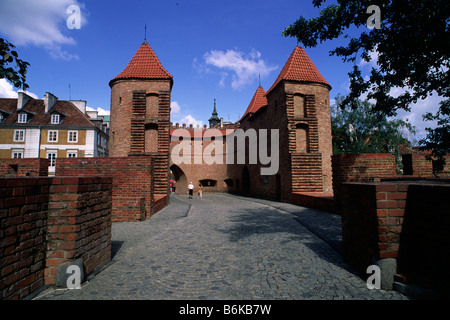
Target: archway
(245, 181)
(180, 179)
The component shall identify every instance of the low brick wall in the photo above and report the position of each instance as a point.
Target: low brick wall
(46, 221)
(407, 221)
(323, 201)
(24, 167)
(23, 231)
(132, 182)
(79, 223)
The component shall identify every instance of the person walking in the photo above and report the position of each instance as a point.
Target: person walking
(191, 190)
(200, 191)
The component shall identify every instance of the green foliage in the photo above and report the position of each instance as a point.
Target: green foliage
(412, 49)
(361, 130)
(15, 74)
(438, 139)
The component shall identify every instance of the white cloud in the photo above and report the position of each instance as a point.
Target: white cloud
(189, 119)
(41, 23)
(243, 68)
(7, 90)
(101, 112)
(174, 108)
(430, 104)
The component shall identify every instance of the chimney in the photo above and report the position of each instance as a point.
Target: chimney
(221, 122)
(49, 101)
(22, 99)
(80, 104)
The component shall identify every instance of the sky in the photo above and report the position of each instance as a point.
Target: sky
(214, 49)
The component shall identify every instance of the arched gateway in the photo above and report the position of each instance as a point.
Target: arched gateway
(297, 105)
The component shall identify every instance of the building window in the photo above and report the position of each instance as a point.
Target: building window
(55, 118)
(72, 154)
(51, 156)
(73, 136)
(22, 118)
(19, 135)
(17, 154)
(53, 136)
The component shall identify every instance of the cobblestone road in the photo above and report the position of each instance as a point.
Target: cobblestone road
(226, 247)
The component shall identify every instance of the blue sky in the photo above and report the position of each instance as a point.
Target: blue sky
(214, 50)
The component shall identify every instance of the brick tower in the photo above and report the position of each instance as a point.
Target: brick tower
(301, 94)
(140, 113)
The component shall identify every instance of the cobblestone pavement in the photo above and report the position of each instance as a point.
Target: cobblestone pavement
(226, 247)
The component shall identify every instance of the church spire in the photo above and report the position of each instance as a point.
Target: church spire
(214, 111)
(214, 120)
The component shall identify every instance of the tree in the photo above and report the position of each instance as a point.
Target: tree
(16, 75)
(438, 139)
(360, 130)
(411, 45)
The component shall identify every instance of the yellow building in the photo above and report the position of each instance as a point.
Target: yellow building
(50, 128)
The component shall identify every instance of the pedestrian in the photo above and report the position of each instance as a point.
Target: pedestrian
(200, 191)
(191, 190)
(171, 186)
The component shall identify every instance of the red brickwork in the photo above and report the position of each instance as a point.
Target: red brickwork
(79, 223)
(23, 227)
(363, 167)
(125, 102)
(23, 167)
(132, 193)
(405, 221)
(47, 221)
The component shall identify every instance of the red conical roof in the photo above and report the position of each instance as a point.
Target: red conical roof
(259, 100)
(299, 67)
(144, 65)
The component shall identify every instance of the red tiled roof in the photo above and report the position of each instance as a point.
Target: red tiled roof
(259, 100)
(299, 67)
(144, 65)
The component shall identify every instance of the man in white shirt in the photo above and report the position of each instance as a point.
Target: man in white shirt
(191, 190)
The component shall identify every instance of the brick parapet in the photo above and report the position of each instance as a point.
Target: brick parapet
(46, 221)
(79, 222)
(132, 191)
(35, 167)
(401, 220)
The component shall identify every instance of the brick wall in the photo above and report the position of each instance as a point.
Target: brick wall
(23, 167)
(132, 193)
(79, 223)
(46, 221)
(364, 167)
(405, 221)
(23, 225)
